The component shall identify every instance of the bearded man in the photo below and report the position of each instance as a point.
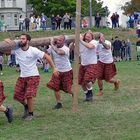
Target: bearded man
(28, 81)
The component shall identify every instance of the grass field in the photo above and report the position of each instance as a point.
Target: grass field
(114, 116)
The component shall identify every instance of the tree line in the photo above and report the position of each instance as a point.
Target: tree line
(131, 7)
(49, 7)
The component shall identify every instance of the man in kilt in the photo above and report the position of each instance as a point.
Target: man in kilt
(106, 65)
(7, 110)
(88, 68)
(27, 83)
(60, 55)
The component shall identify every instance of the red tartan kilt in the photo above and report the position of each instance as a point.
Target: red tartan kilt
(62, 82)
(87, 74)
(26, 87)
(106, 71)
(2, 96)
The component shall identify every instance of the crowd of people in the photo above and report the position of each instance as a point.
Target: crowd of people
(40, 22)
(115, 20)
(121, 49)
(133, 20)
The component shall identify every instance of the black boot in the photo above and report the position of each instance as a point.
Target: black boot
(89, 95)
(58, 106)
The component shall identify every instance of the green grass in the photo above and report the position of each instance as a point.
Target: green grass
(114, 116)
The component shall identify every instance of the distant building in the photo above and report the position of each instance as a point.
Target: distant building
(10, 11)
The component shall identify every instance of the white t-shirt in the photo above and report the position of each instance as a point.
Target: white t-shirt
(21, 20)
(61, 62)
(27, 61)
(32, 19)
(105, 55)
(88, 56)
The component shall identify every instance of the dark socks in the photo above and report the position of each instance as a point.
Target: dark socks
(90, 93)
(31, 113)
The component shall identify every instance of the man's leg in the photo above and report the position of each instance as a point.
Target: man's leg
(2, 108)
(58, 100)
(29, 109)
(30, 105)
(89, 94)
(100, 85)
(8, 112)
(115, 82)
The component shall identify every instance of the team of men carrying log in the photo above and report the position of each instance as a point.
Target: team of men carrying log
(57, 56)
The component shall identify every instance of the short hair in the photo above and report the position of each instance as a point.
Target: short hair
(27, 36)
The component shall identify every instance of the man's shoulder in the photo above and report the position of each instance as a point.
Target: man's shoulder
(65, 47)
(94, 41)
(107, 41)
(33, 48)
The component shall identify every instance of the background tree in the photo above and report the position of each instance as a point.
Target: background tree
(131, 7)
(50, 7)
(60, 7)
(97, 6)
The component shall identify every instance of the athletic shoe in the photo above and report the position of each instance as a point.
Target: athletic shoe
(58, 106)
(28, 117)
(116, 85)
(100, 93)
(9, 114)
(89, 96)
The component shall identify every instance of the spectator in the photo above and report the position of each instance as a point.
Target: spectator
(135, 18)
(138, 29)
(13, 58)
(116, 49)
(84, 23)
(27, 23)
(128, 49)
(97, 20)
(66, 21)
(131, 21)
(58, 22)
(38, 23)
(138, 48)
(33, 22)
(53, 22)
(21, 21)
(70, 21)
(123, 50)
(113, 20)
(117, 19)
(1, 64)
(43, 21)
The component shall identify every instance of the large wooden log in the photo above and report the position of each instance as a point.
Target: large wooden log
(35, 42)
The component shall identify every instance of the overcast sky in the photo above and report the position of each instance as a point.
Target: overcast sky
(114, 5)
